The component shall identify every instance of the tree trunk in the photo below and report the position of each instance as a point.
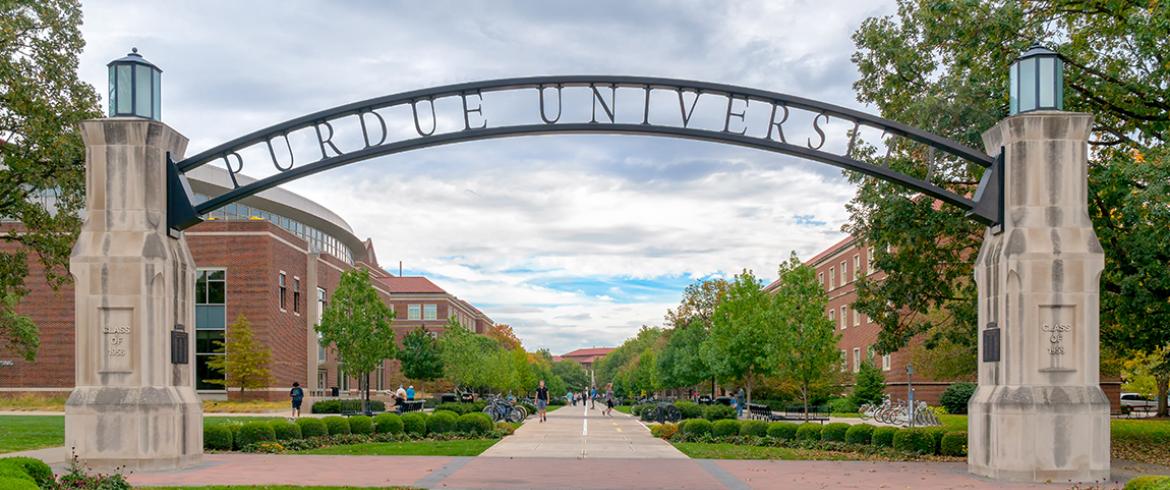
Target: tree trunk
(804, 396)
(366, 394)
(1162, 382)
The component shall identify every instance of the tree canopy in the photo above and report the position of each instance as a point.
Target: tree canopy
(245, 360)
(420, 356)
(746, 336)
(358, 324)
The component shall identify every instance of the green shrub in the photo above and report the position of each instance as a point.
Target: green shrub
(648, 413)
(474, 423)
(1149, 482)
(859, 434)
(442, 422)
(718, 412)
(507, 428)
(842, 405)
(40, 472)
(808, 432)
(725, 427)
(336, 425)
(254, 432)
(338, 406)
(284, 430)
(782, 430)
(312, 427)
(15, 483)
(415, 423)
(361, 424)
(458, 408)
(16, 472)
(915, 441)
(681, 424)
(757, 428)
(936, 436)
(698, 427)
(884, 436)
(869, 385)
(663, 431)
(235, 428)
(388, 423)
(689, 410)
(954, 443)
(955, 397)
(834, 432)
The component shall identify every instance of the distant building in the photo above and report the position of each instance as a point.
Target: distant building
(586, 357)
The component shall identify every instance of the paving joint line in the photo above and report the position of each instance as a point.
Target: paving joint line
(432, 480)
(727, 479)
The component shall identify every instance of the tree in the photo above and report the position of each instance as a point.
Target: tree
(745, 334)
(503, 334)
(681, 362)
(358, 324)
(698, 303)
(869, 386)
(573, 374)
(420, 356)
(468, 359)
(943, 66)
(810, 356)
(42, 178)
(244, 360)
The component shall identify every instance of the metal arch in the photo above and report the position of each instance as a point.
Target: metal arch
(984, 208)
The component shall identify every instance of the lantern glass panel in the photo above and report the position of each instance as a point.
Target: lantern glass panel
(142, 88)
(125, 95)
(113, 85)
(1047, 89)
(1014, 89)
(157, 107)
(1027, 84)
(1059, 84)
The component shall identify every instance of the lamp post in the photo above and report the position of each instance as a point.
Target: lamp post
(1036, 81)
(135, 87)
(910, 394)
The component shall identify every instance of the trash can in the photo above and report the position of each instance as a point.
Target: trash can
(334, 392)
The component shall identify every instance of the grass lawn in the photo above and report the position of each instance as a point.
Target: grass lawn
(469, 447)
(21, 432)
(30, 402)
(622, 408)
(250, 406)
(272, 487)
(702, 450)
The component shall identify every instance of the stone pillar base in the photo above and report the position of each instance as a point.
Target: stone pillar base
(1039, 433)
(136, 428)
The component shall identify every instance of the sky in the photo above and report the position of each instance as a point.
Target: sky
(574, 240)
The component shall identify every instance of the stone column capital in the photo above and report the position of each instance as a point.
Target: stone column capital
(1038, 125)
(133, 131)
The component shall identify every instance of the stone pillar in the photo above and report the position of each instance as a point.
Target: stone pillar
(132, 407)
(1039, 413)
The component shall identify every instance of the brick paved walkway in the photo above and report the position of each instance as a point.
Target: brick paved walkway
(578, 432)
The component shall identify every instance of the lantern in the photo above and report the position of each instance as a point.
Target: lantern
(1037, 81)
(135, 87)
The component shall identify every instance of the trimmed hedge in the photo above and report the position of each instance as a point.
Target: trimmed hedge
(217, 437)
(235, 428)
(15, 483)
(474, 423)
(936, 435)
(284, 430)
(1149, 482)
(442, 422)
(312, 427)
(808, 432)
(834, 432)
(36, 469)
(15, 472)
(664, 430)
(914, 441)
(956, 396)
(254, 432)
(782, 430)
(757, 428)
(859, 434)
(689, 410)
(954, 443)
(338, 406)
(680, 425)
(462, 408)
(415, 423)
(361, 424)
(884, 436)
(697, 427)
(388, 423)
(336, 425)
(718, 412)
(725, 427)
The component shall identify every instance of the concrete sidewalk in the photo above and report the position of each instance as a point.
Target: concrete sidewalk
(578, 432)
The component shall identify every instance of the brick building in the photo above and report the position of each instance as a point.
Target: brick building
(273, 258)
(838, 268)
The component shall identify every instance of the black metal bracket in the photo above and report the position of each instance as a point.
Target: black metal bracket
(989, 196)
(180, 212)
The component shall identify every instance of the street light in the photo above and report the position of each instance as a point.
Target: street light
(135, 87)
(1037, 81)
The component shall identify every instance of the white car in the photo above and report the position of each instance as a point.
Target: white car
(1134, 400)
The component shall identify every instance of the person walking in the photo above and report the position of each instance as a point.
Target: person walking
(608, 400)
(593, 398)
(542, 401)
(739, 403)
(297, 395)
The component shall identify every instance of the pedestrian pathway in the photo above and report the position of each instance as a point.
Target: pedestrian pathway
(580, 432)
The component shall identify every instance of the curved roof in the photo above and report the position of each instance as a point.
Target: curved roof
(212, 180)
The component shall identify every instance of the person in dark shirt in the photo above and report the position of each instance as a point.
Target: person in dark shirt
(542, 401)
(297, 395)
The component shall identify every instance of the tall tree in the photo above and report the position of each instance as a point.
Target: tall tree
(244, 360)
(358, 324)
(502, 333)
(697, 308)
(943, 66)
(42, 178)
(468, 358)
(745, 336)
(420, 356)
(810, 357)
(573, 373)
(681, 363)
(698, 303)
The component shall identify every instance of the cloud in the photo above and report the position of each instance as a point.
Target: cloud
(575, 241)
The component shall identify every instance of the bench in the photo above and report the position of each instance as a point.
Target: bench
(761, 412)
(796, 414)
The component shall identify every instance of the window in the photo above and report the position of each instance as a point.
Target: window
(844, 273)
(856, 318)
(430, 312)
(283, 289)
(856, 266)
(869, 353)
(381, 374)
(885, 362)
(856, 359)
(833, 316)
(320, 314)
(297, 295)
(210, 324)
(414, 312)
(844, 360)
(821, 280)
(869, 261)
(844, 313)
(832, 278)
